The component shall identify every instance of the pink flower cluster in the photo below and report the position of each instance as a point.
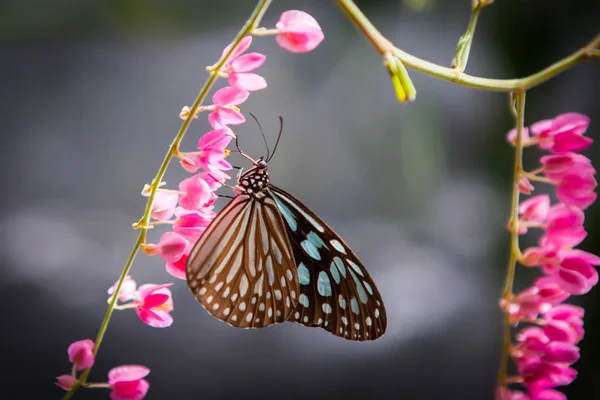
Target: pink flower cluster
(545, 350)
(189, 209)
(126, 382)
(152, 303)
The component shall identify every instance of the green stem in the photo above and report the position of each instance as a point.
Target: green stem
(383, 45)
(507, 293)
(143, 224)
(463, 48)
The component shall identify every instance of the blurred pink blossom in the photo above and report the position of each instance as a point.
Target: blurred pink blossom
(239, 66)
(154, 305)
(65, 382)
(224, 107)
(299, 32)
(81, 354)
(164, 205)
(170, 247)
(127, 382)
(128, 289)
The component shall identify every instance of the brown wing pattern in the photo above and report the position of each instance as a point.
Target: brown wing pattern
(336, 291)
(242, 269)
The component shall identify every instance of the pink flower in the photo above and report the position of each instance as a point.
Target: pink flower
(575, 273)
(196, 193)
(549, 291)
(557, 166)
(298, 32)
(65, 382)
(128, 289)
(177, 269)
(577, 189)
(564, 226)
(535, 208)
(81, 354)
(164, 205)
(526, 305)
(225, 111)
(571, 314)
(561, 331)
(213, 179)
(239, 66)
(524, 186)
(548, 394)
(154, 305)
(563, 133)
(561, 353)
(511, 136)
(127, 382)
(191, 224)
(503, 393)
(170, 247)
(212, 152)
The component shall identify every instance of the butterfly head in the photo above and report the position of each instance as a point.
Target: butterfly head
(255, 180)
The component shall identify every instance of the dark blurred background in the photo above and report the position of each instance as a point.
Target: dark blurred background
(91, 92)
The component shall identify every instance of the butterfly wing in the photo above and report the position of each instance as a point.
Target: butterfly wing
(336, 291)
(242, 269)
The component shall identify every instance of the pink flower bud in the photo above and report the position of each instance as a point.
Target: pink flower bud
(564, 226)
(561, 353)
(561, 331)
(127, 382)
(524, 186)
(298, 32)
(164, 205)
(535, 208)
(65, 382)
(170, 247)
(196, 193)
(81, 354)
(177, 269)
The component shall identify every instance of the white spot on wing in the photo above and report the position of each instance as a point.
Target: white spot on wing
(243, 285)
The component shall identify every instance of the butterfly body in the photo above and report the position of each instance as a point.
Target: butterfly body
(266, 259)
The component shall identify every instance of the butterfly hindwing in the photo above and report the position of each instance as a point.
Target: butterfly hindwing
(336, 291)
(242, 269)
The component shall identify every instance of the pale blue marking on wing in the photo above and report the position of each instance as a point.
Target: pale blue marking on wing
(334, 272)
(354, 306)
(359, 288)
(301, 211)
(342, 302)
(303, 300)
(316, 240)
(338, 246)
(324, 284)
(368, 287)
(310, 249)
(340, 265)
(355, 267)
(287, 214)
(303, 274)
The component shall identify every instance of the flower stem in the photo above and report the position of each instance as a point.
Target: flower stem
(514, 230)
(463, 48)
(144, 223)
(383, 45)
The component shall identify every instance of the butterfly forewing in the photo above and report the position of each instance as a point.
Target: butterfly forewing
(242, 269)
(336, 291)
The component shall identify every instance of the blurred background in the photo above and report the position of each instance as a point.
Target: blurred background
(91, 92)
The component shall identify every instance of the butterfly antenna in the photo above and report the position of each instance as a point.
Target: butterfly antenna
(262, 133)
(278, 137)
(237, 146)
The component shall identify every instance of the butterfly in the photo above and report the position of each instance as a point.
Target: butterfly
(267, 259)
